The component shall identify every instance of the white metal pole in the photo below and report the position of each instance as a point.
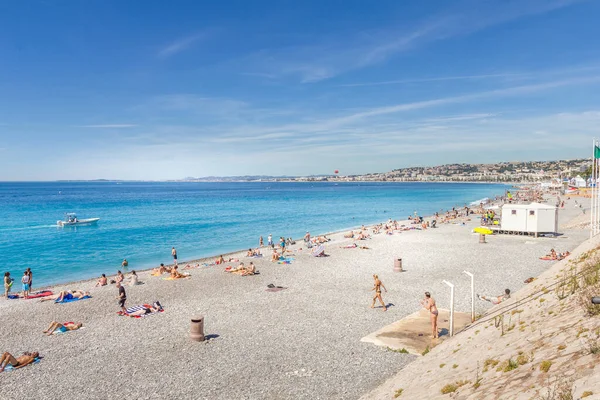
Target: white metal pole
(451, 307)
(472, 295)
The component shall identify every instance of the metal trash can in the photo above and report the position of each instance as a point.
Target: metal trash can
(197, 329)
(482, 238)
(398, 265)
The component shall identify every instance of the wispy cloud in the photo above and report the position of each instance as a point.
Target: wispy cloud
(435, 79)
(181, 44)
(108, 126)
(335, 55)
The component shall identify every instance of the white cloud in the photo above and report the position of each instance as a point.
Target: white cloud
(108, 126)
(180, 45)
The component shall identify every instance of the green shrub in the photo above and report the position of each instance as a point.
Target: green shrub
(545, 365)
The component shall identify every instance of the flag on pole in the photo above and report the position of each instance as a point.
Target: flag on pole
(596, 152)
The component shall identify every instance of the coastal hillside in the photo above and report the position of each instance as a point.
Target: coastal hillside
(543, 343)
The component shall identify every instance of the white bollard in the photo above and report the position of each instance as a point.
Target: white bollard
(472, 295)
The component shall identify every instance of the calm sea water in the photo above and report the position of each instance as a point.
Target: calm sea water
(142, 221)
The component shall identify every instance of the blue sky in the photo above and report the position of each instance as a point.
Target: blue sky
(165, 90)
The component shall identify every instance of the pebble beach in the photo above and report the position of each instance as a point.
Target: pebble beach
(301, 342)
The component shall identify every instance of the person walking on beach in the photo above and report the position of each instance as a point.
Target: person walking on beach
(174, 254)
(260, 242)
(8, 282)
(25, 282)
(270, 240)
(377, 288)
(122, 297)
(428, 303)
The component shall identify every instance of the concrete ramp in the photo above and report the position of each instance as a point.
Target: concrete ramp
(413, 332)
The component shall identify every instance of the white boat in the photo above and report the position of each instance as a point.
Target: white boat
(72, 220)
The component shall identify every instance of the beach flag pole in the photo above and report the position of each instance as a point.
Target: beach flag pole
(595, 178)
(594, 199)
(451, 329)
(593, 207)
(472, 295)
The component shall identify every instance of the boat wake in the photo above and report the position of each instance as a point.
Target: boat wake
(26, 228)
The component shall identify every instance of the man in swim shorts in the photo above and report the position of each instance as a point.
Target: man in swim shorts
(122, 297)
(174, 254)
(18, 362)
(496, 299)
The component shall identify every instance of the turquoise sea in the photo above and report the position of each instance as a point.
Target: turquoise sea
(141, 221)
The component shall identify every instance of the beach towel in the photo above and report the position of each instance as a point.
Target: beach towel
(138, 308)
(36, 295)
(72, 299)
(285, 260)
(59, 332)
(11, 368)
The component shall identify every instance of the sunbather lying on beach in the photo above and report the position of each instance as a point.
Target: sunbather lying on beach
(496, 299)
(363, 236)
(67, 295)
(67, 326)
(18, 362)
(154, 308)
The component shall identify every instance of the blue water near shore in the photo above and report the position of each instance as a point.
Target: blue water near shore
(141, 221)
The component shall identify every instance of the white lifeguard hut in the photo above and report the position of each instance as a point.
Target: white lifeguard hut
(529, 219)
(578, 181)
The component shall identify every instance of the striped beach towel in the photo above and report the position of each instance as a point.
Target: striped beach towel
(138, 308)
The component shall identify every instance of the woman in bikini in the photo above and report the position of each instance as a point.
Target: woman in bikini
(377, 288)
(429, 304)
